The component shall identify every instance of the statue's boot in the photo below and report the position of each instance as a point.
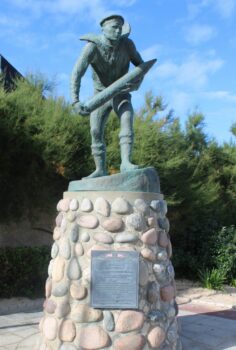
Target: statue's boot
(100, 166)
(126, 165)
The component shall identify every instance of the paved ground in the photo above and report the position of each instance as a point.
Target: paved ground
(207, 319)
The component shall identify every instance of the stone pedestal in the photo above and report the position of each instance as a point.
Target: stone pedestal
(118, 221)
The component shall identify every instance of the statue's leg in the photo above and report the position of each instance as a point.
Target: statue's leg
(98, 120)
(123, 108)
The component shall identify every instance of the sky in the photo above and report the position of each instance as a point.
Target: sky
(194, 42)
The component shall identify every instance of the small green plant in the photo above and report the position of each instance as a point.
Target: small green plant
(233, 282)
(212, 279)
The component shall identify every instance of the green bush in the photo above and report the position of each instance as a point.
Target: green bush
(213, 279)
(23, 271)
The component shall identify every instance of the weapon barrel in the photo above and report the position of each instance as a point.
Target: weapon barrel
(115, 88)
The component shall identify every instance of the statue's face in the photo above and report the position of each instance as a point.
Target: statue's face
(112, 29)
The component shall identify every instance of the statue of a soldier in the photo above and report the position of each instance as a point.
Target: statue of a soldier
(109, 55)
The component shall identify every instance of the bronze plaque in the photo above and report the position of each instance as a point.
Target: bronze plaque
(115, 279)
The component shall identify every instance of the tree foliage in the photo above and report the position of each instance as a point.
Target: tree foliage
(43, 145)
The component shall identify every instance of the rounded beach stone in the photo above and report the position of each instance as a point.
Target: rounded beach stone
(164, 224)
(102, 206)
(141, 206)
(93, 338)
(50, 328)
(85, 237)
(58, 269)
(103, 238)
(74, 271)
(162, 255)
(150, 237)
(54, 250)
(108, 321)
(63, 309)
(120, 206)
(49, 306)
(59, 219)
(57, 233)
(135, 221)
(167, 293)
(151, 221)
(74, 204)
(86, 205)
(112, 224)
(48, 288)
(74, 233)
(78, 291)
(63, 205)
(60, 289)
(129, 321)
(67, 331)
(71, 216)
(143, 273)
(65, 250)
(88, 221)
(152, 292)
(126, 237)
(163, 239)
(79, 250)
(50, 267)
(82, 313)
(169, 249)
(64, 224)
(156, 337)
(130, 342)
(41, 324)
(160, 272)
(148, 254)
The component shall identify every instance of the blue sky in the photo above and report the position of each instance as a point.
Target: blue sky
(193, 40)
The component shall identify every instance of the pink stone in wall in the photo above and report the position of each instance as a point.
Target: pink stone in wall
(58, 269)
(150, 237)
(93, 338)
(112, 224)
(67, 331)
(63, 205)
(167, 293)
(163, 239)
(79, 250)
(48, 288)
(82, 313)
(57, 233)
(156, 337)
(169, 249)
(78, 291)
(88, 221)
(59, 219)
(49, 306)
(148, 254)
(103, 238)
(102, 206)
(129, 321)
(50, 328)
(130, 342)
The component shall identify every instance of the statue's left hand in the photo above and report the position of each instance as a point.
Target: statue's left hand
(81, 109)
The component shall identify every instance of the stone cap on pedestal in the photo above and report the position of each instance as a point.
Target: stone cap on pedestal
(140, 180)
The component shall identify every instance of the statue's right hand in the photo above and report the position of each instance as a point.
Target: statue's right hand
(81, 109)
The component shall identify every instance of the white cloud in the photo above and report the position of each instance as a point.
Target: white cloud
(194, 72)
(151, 52)
(220, 95)
(197, 33)
(225, 8)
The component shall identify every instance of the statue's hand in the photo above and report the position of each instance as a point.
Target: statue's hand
(132, 86)
(81, 109)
